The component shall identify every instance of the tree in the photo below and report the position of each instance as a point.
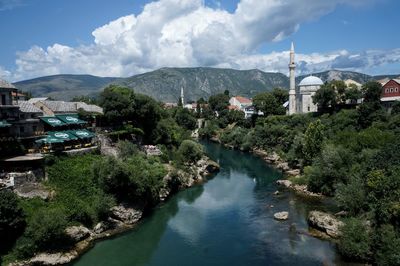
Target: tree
(371, 109)
(219, 102)
(267, 103)
(313, 138)
(352, 94)
(396, 108)
(185, 119)
(325, 97)
(190, 151)
(281, 95)
(372, 91)
(117, 103)
(12, 218)
(355, 241)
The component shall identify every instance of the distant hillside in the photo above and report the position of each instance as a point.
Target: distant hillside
(339, 75)
(64, 87)
(165, 84)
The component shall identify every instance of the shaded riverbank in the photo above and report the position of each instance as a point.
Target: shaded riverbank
(227, 221)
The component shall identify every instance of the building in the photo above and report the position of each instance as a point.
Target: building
(240, 102)
(51, 108)
(300, 98)
(390, 93)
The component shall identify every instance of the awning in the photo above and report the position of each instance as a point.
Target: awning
(49, 140)
(4, 123)
(82, 133)
(62, 135)
(52, 121)
(70, 119)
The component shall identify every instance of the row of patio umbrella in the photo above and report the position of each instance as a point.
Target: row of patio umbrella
(65, 136)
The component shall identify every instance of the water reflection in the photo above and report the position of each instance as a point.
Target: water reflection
(227, 221)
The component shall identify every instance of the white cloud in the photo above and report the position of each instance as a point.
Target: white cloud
(184, 33)
(10, 4)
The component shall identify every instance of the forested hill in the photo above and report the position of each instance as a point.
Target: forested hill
(64, 87)
(165, 84)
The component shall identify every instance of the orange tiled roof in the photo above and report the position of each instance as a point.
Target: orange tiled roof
(242, 99)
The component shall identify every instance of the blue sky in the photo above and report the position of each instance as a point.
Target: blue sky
(44, 37)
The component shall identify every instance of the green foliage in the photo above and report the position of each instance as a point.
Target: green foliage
(185, 119)
(12, 219)
(168, 132)
(82, 200)
(126, 149)
(281, 95)
(356, 240)
(117, 103)
(136, 179)
(190, 151)
(325, 97)
(313, 139)
(387, 246)
(218, 102)
(269, 104)
(396, 108)
(352, 195)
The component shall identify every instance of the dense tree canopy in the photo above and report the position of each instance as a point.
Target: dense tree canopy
(267, 103)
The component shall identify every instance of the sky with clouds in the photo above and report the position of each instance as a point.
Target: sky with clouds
(127, 37)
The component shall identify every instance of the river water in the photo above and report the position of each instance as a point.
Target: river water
(226, 221)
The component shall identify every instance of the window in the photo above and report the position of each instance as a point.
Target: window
(391, 89)
(386, 90)
(3, 99)
(34, 128)
(396, 89)
(21, 129)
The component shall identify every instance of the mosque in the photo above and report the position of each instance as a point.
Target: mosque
(300, 97)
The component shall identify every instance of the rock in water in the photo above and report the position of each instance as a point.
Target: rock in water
(77, 233)
(325, 222)
(284, 182)
(281, 216)
(126, 215)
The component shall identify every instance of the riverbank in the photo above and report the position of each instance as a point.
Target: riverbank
(124, 216)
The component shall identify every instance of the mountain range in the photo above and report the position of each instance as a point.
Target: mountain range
(165, 84)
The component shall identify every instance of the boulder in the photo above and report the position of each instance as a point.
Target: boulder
(325, 222)
(283, 166)
(52, 259)
(285, 183)
(77, 233)
(100, 227)
(293, 172)
(281, 216)
(125, 214)
(212, 166)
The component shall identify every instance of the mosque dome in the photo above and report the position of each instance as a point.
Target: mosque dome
(311, 81)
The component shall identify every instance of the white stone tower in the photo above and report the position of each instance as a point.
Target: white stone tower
(182, 99)
(292, 89)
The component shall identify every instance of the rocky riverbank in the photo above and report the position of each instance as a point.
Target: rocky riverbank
(123, 216)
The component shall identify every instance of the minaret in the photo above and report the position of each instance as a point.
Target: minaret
(292, 89)
(182, 99)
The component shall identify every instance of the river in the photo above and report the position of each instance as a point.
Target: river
(226, 221)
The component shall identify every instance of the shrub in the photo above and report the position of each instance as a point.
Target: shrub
(190, 151)
(356, 240)
(12, 219)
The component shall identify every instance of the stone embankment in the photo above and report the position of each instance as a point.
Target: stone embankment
(121, 218)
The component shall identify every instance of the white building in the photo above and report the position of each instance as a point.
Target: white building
(300, 98)
(240, 102)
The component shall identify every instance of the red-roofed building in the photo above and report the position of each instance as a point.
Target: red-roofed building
(390, 92)
(240, 102)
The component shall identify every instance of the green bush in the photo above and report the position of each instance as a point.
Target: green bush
(387, 241)
(12, 219)
(190, 151)
(356, 240)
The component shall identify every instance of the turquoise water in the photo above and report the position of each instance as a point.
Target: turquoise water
(226, 221)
